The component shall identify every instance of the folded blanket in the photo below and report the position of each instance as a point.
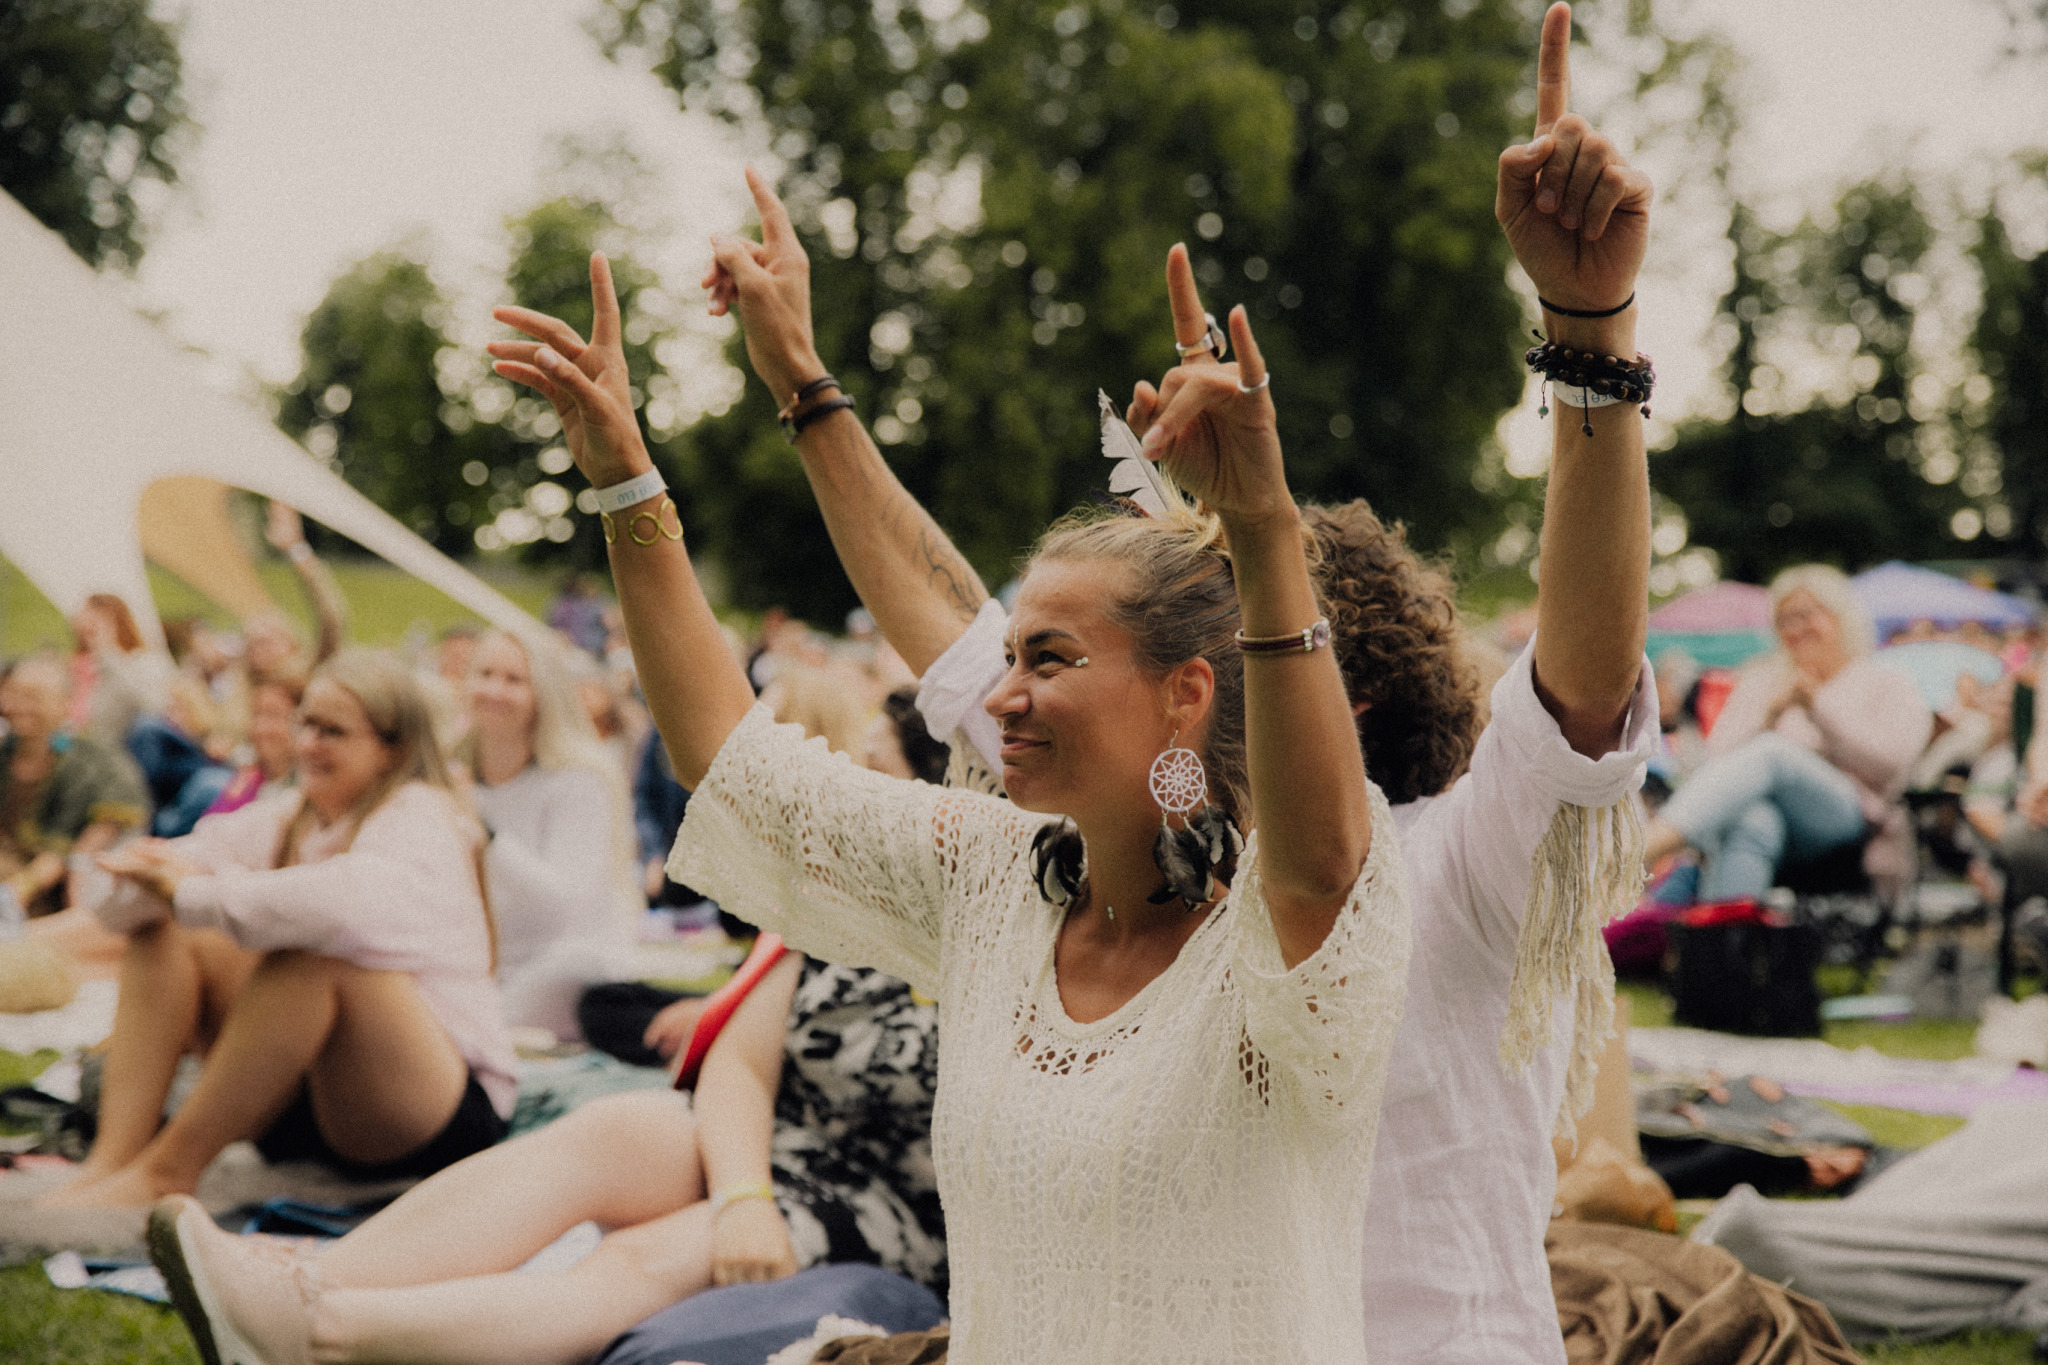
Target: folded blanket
(1629, 1297)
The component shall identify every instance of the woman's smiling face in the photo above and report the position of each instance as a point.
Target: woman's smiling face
(1081, 722)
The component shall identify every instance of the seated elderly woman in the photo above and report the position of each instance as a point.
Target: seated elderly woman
(1809, 755)
(327, 950)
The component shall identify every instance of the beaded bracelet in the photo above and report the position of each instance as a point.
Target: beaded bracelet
(1610, 377)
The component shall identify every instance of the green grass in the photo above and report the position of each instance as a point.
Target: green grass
(385, 603)
(40, 1325)
(1972, 1348)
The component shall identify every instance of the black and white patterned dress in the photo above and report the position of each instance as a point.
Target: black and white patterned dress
(852, 1152)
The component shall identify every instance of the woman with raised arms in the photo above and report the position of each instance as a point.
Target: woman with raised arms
(1156, 1105)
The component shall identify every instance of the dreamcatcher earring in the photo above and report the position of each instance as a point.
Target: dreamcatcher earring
(1189, 856)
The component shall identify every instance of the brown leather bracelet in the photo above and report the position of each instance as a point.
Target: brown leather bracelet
(1307, 640)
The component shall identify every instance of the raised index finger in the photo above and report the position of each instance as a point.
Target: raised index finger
(776, 229)
(1554, 68)
(1190, 322)
(604, 302)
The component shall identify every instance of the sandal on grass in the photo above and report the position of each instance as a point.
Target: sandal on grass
(244, 1304)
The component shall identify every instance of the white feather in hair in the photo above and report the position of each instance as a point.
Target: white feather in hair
(1134, 476)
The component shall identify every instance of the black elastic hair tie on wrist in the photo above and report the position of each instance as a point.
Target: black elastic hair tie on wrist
(1621, 307)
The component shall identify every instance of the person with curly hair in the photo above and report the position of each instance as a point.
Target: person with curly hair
(1520, 839)
(1403, 653)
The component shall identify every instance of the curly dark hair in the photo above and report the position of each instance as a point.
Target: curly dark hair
(1401, 650)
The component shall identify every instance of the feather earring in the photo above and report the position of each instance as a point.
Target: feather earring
(1059, 862)
(1134, 476)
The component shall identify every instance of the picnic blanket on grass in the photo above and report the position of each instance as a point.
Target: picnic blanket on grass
(240, 1178)
(1807, 1066)
(1951, 1237)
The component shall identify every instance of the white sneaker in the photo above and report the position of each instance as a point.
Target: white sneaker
(244, 1304)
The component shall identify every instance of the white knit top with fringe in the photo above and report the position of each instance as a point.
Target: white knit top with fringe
(1511, 874)
(1183, 1181)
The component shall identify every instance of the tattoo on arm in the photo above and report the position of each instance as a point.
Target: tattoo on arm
(948, 572)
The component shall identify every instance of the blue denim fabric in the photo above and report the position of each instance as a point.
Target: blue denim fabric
(1767, 802)
(744, 1324)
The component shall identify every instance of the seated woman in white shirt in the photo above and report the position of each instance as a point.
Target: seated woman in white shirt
(560, 866)
(327, 950)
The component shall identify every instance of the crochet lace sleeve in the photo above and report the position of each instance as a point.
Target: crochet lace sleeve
(1317, 1037)
(848, 865)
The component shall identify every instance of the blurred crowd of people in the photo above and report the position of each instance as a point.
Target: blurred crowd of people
(467, 835)
(1887, 758)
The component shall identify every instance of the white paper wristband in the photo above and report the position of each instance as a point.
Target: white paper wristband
(1571, 396)
(620, 496)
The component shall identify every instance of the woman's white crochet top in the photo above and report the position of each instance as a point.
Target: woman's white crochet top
(1183, 1181)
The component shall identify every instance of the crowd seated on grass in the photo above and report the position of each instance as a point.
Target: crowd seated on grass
(62, 794)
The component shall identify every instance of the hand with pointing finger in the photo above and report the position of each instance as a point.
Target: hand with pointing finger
(1210, 424)
(1576, 214)
(587, 384)
(769, 283)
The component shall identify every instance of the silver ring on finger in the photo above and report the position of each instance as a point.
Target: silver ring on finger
(1264, 380)
(1213, 340)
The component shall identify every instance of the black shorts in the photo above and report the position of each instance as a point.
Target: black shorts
(474, 1126)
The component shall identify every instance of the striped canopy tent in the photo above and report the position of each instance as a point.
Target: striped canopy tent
(1721, 626)
(116, 450)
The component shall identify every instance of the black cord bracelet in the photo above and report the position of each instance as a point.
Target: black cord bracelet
(813, 413)
(822, 381)
(791, 424)
(1621, 307)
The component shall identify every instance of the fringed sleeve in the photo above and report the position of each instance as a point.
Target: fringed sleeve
(1588, 869)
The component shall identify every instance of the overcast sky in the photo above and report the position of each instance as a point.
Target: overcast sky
(332, 129)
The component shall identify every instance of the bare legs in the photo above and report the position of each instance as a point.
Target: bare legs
(382, 1073)
(176, 986)
(424, 1280)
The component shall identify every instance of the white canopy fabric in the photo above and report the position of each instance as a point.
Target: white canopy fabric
(97, 404)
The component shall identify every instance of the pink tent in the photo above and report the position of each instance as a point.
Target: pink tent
(1723, 608)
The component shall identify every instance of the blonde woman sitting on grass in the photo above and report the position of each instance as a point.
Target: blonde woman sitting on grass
(327, 951)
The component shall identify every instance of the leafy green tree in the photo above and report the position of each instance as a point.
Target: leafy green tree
(91, 112)
(1858, 472)
(369, 400)
(988, 193)
(2005, 406)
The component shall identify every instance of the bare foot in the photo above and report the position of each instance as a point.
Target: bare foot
(129, 1187)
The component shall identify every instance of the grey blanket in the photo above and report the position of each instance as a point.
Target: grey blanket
(1952, 1237)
